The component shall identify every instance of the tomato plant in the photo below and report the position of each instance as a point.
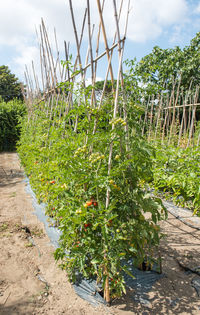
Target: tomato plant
(67, 163)
(177, 174)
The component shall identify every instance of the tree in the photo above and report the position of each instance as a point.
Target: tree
(162, 67)
(10, 87)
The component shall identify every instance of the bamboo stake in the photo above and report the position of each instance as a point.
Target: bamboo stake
(169, 111)
(145, 121)
(83, 69)
(165, 120)
(183, 120)
(93, 100)
(121, 70)
(87, 65)
(75, 32)
(41, 68)
(78, 45)
(36, 79)
(47, 83)
(52, 65)
(151, 118)
(58, 54)
(106, 289)
(78, 58)
(107, 72)
(160, 100)
(105, 42)
(98, 39)
(109, 62)
(193, 116)
(50, 56)
(183, 105)
(114, 116)
(174, 110)
(29, 84)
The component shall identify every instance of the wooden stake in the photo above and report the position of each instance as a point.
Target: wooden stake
(105, 41)
(107, 288)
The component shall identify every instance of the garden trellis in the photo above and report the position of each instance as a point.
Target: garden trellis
(51, 68)
(84, 157)
(173, 117)
(64, 88)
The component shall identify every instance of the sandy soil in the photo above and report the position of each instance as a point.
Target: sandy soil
(31, 283)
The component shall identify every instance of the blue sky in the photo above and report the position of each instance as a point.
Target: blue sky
(166, 23)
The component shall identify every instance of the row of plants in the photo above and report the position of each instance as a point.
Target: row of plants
(11, 114)
(68, 165)
(177, 175)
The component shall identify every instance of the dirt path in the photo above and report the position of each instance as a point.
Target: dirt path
(31, 283)
(25, 269)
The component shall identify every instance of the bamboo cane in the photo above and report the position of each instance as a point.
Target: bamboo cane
(174, 110)
(121, 49)
(46, 58)
(93, 99)
(169, 110)
(98, 40)
(36, 80)
(151, 118)
(107, 288)
(160, 99)
(44, 62)
(114, 116)
(75, 33)
(193, 116)
(58, 54)
(50, 56)
(145, 121)
(108, 67)
(105, 41)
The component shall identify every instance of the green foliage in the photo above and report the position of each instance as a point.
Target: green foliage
(10, 87)
(99, 85)
(68, 169)
(10, 117)
(158, 70)
(161, 67)
(177, 174)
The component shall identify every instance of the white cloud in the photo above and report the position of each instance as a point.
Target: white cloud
(27, 54)
(148, 20)
(17, 21)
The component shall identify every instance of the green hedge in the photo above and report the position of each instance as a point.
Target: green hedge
(10, 116)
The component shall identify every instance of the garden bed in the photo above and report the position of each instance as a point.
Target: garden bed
(23, 291)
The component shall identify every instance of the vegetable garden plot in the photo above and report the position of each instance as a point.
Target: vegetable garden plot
(172, 119)
(167, 107)
(86, 159)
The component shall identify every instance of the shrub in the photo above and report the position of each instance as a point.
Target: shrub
(10, 117)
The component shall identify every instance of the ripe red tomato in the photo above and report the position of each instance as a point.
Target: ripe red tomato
(89, 203)
(87, 224)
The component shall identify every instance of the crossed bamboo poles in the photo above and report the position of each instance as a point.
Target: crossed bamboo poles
(52, 98)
